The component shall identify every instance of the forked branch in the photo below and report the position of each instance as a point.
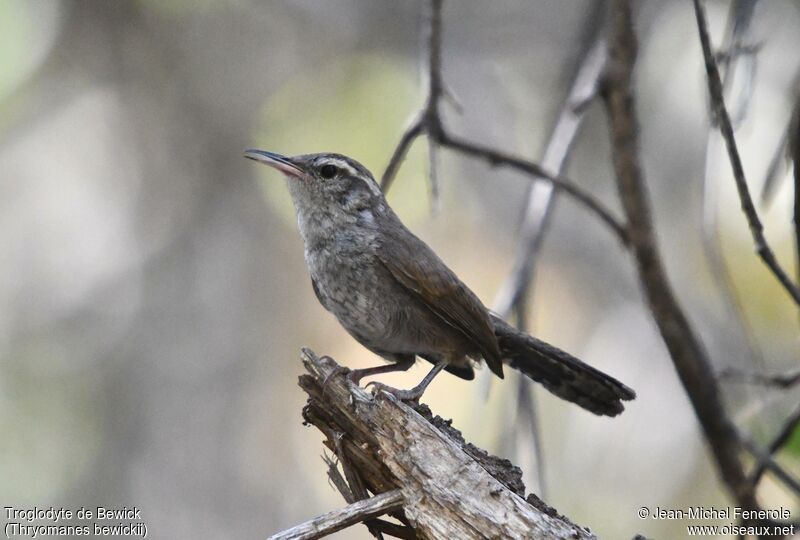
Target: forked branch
(429, 122)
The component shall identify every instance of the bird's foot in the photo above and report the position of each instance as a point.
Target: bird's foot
(411, 395)
(338, 370)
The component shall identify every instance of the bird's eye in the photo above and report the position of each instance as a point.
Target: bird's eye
(328, 171)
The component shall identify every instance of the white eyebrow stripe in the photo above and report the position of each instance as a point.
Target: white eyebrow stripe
(343, 164)
(373, 187)
(340, 163)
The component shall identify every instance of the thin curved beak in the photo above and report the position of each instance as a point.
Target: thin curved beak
(276, 161)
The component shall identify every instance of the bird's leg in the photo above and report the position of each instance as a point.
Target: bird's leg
(414, 393)
(401, 363)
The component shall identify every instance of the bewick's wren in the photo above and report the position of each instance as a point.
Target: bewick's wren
(397, 298)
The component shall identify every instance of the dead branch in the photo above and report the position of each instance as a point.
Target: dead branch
(723, 120)
(450, 489)
(687, 352)
(341, 519)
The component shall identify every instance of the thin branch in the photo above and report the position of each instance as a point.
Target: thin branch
(781, 380)
(499, 158)
(770, 464)
(433, 174)
(375, 526)
(435, 90)
(436, 86)
(794, 150)
(540, 197)
(780, 440)
(381, 526)
(335, 478)
(688, 354)
(739, 19)
(515, 293)
(786, 431)
(528, 414)
(409, 136)
(344, 517)
(354, 483)
(776, 170)
(723, 119)
(739, 48)
(429, 122)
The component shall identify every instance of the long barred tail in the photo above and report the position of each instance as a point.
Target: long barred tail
(561, 373)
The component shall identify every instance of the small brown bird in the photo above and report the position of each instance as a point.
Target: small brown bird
(396, 297)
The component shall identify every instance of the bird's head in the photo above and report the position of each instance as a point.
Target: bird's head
(326, 183)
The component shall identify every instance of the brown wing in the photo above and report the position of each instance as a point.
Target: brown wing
(420, 271)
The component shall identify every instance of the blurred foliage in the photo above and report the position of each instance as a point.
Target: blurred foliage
(354, 106)
(16, 32)
(793, 446)
(26, 33)
(32, 465)
(173, 9)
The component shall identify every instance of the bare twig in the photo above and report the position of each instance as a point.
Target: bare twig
(528, 414)
(515, 293)
(783, 436)
(540, 197)
(741, 14)
(429, 122)
(430, 113)
(721, 114)
(788, 149)
(433, 174)
(687, 352)
(354, 483)
(335, 478)
(381, 526)
(409, 136)
(765, 459)
(789, 426)
(780, 380)
(740, 52)
(775, 171)
(794, 151)
(345, 517)
(499, 158)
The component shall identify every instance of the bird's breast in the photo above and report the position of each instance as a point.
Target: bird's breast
(350, 285)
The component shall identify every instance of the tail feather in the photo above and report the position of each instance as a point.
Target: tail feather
(561, 373)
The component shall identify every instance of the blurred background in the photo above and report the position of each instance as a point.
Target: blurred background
(153, 294)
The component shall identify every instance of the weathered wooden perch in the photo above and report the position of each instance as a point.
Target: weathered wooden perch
(450, 488)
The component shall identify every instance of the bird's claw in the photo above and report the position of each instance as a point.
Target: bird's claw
(338, 370)
(412, 395)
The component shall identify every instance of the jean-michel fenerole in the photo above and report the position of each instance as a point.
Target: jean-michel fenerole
(728, 513)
